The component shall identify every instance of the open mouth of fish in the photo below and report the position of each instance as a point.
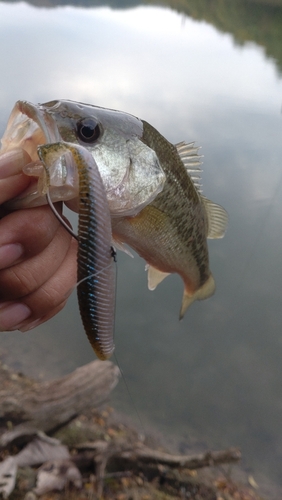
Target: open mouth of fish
(30, 126)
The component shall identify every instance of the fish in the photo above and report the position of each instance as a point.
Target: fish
(95, 260)
(152, 186)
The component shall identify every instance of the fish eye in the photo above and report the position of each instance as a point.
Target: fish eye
(88, 130)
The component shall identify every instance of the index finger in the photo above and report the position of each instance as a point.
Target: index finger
(11, 164)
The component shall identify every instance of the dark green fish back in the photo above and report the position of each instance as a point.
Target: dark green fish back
(180, 201)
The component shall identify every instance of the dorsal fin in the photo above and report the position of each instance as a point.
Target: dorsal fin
(216, 215)
(191, 161)
(217, 218)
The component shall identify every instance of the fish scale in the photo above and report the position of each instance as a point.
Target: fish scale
(175, 222)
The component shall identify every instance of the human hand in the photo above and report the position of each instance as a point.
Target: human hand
(37, 255)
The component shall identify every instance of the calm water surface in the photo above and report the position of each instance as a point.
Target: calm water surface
(214, 378)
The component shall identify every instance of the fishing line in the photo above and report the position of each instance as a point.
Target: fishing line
(113, 251)
(142, 436)
(60, 219)
(66, 296)
(91, 276)
(72, 233)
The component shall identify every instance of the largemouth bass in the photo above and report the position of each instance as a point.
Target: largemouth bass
(152, 186)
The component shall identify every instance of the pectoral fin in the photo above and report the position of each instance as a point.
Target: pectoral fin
(121, 246)
(202, 293)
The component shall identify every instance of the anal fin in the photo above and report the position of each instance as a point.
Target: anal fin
(155, 277)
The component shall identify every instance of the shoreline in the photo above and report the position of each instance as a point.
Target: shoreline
(104, 455)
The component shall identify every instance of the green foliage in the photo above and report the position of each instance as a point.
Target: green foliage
(258, 21)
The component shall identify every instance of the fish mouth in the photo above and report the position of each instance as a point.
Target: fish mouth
(28, 127)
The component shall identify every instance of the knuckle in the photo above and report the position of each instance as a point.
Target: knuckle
(16, 283)
(51, 298)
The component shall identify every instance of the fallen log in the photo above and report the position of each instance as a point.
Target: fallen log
(122, 456)
(48, 405)
(141, 453)
(197, 461)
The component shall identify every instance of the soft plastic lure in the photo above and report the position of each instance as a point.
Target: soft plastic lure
(95, 257)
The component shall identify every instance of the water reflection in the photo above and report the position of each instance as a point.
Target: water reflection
(258, 21)
(217, 374)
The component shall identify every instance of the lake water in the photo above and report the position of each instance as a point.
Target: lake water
(213, 379)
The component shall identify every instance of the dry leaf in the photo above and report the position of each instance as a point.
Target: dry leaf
(8, 472)
(56, 475)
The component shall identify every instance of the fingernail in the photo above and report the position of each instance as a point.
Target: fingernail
(26, 327)
(12, 314)
(12, 162)
(9, 254)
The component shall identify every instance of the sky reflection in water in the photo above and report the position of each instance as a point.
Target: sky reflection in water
(217, 373)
